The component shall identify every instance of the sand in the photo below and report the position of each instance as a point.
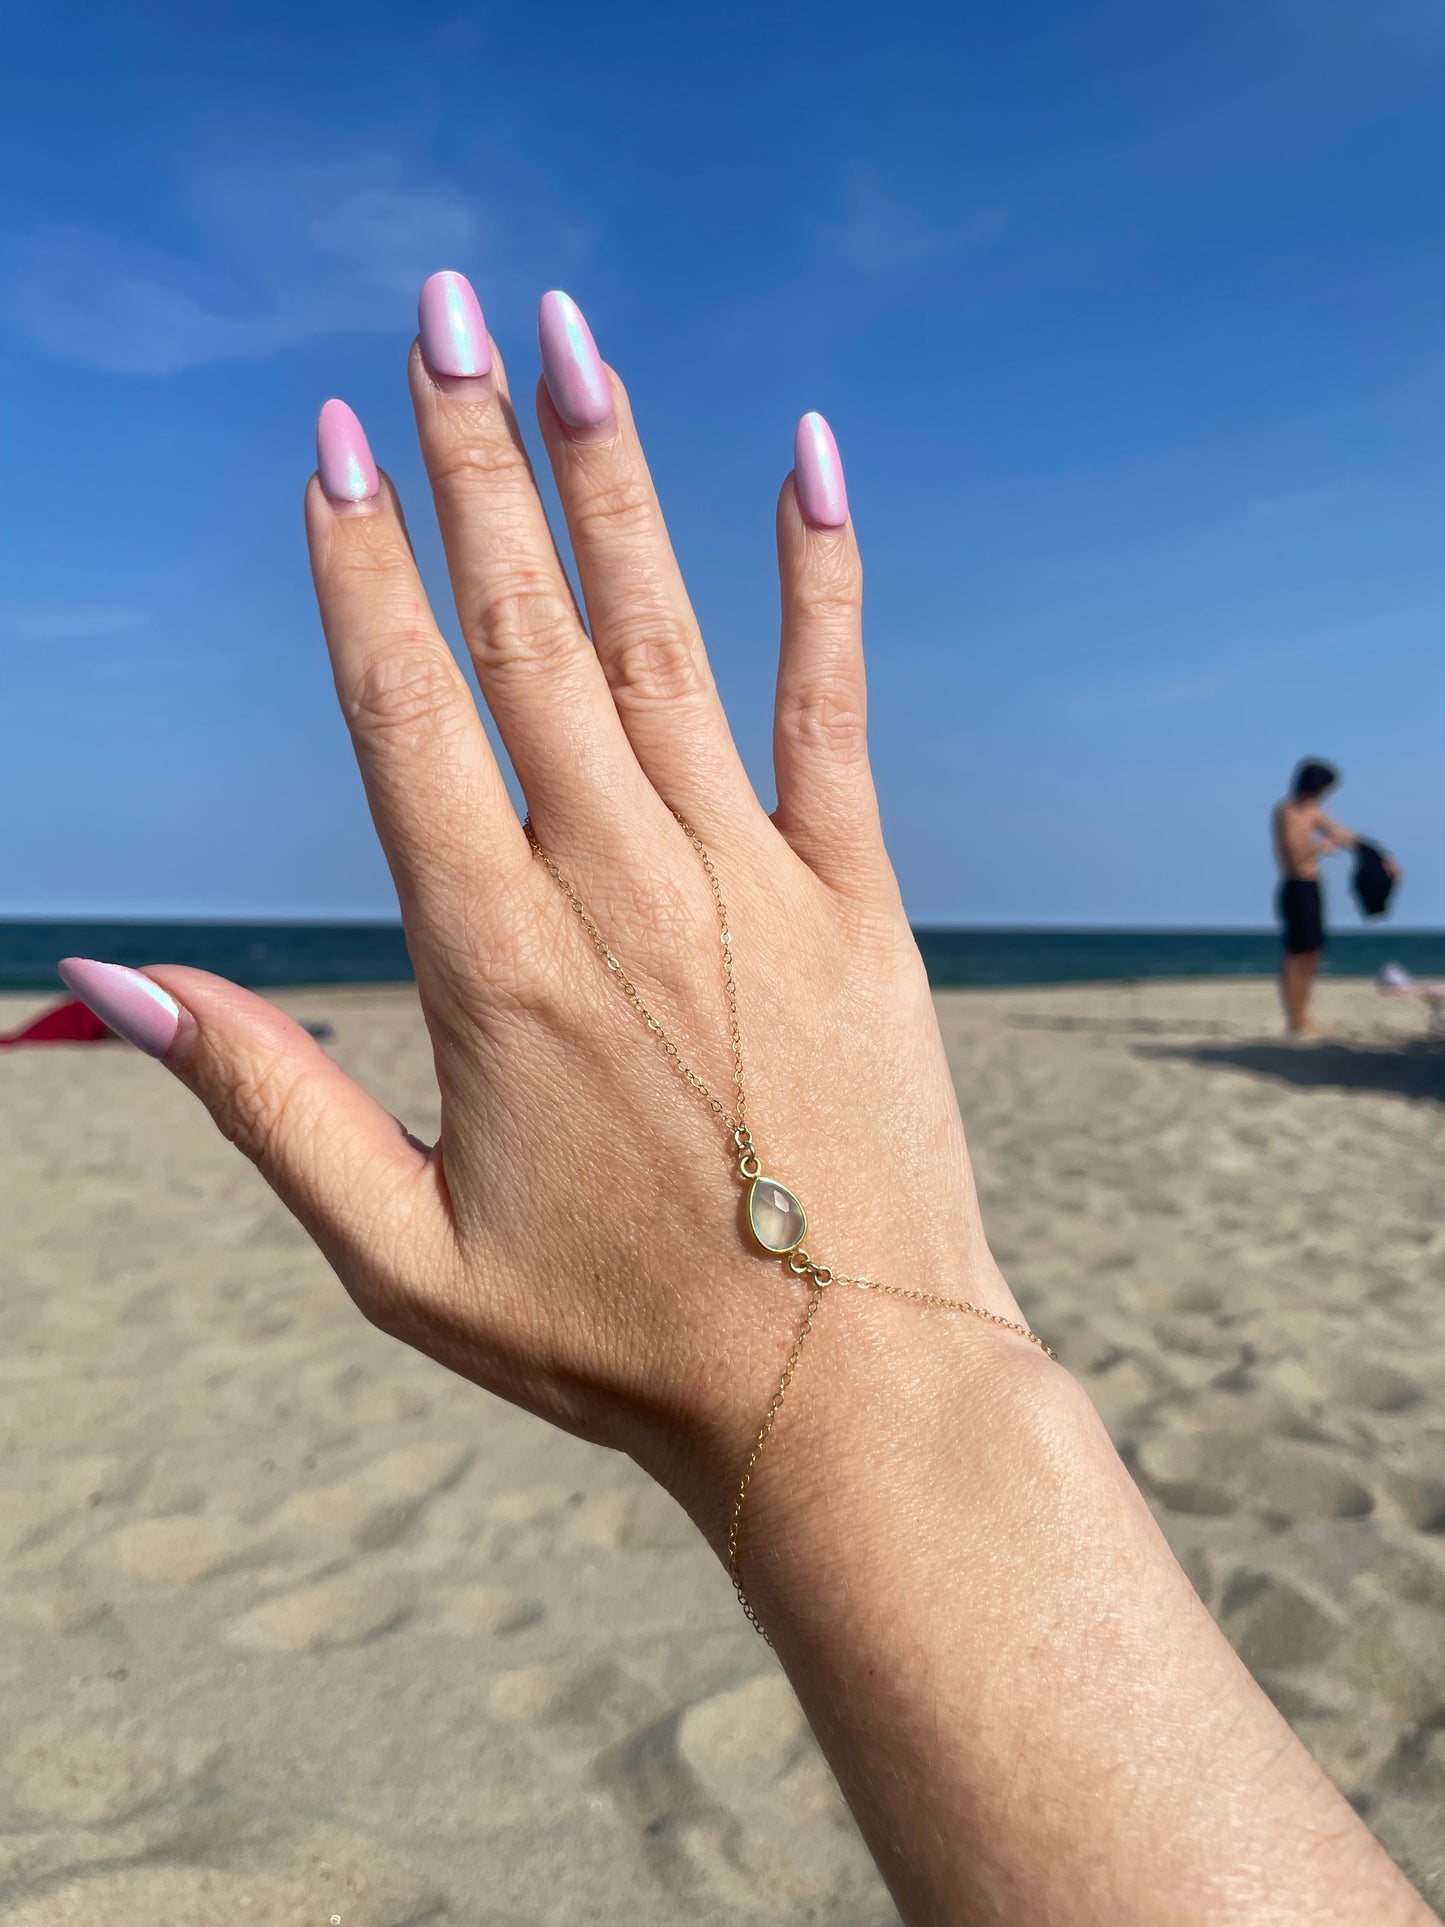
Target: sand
(295, 1628)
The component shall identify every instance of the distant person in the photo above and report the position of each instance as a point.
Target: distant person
(1302, 835)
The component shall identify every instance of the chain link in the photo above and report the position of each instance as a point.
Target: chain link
(819, 1276)
(737, 1118)
(765, 1432)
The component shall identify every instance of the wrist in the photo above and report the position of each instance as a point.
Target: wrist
(896, 1415)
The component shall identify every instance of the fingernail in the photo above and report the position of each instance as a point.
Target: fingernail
(818, 474)
(134, 1007)
(343, 456)
(571, 365)
(453, 333)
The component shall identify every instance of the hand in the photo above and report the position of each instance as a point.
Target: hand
(1027, 1708)
(574, 1240)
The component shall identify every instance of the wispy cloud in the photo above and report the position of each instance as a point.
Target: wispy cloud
(1241, 668)
(880, 234)
(869, 255)
(22, 622)
(281, 254)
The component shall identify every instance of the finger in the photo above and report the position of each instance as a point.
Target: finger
(436, 793)
(827, 808)
(534, 662)
(643, 628)
(372, 1200)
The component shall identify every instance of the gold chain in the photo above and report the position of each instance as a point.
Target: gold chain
(737, 1118)
(735, 1121)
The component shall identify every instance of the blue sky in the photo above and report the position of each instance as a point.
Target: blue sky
(1128, 319)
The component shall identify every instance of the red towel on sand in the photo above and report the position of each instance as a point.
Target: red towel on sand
(67, 1023)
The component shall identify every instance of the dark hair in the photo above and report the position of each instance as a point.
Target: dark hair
(1313, 779)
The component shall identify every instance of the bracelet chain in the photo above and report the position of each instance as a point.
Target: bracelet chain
(734, 1119)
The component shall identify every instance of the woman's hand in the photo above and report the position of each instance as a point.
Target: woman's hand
(1030, 1712)
(575, 1241)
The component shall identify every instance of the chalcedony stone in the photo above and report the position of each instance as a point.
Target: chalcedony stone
(779, 1222)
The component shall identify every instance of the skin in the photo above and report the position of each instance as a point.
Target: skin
(1031, 1714)
(1303, 834)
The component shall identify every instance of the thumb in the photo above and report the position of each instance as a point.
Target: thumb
(339, 1162)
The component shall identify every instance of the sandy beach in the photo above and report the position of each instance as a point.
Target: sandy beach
(295, 1628)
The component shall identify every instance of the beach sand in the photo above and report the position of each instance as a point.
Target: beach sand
(295, 1628)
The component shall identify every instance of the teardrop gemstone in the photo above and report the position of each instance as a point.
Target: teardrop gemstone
(779, 1222)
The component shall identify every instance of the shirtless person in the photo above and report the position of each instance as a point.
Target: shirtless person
(1302, 835)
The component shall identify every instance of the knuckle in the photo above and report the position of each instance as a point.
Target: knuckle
(371, 552)
(520, 623)
(480, 463)
(527, 980)
(834, 604)
(253, 1111)
(831, 589)
(614, 508)
(829, 713)
(406, 693)
(655, 660)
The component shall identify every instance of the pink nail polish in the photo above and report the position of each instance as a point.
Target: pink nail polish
(453, 333)
(571, 365)
(343, 457)
(134, 1007)
(818, 474)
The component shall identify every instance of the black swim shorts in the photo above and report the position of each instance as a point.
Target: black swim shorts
(1302, 912)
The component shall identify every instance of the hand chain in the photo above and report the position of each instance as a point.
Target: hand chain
(734, 1119)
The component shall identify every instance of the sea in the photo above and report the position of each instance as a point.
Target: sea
(267, 955)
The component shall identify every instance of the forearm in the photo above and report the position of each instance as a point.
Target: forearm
(1030, 1712)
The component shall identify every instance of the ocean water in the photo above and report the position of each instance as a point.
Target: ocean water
(264, 955)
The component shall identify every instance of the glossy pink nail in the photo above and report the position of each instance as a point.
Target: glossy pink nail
(818, 474)
(453, 333)
(571, 365)
(343, 456)
(134, 1007)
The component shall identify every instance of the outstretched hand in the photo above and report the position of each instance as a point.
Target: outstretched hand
(574, 1240)
(1027, 1707)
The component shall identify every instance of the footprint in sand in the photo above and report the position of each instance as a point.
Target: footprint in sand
(732, 1797)
(348, 1609)
(641, 1520)
(1125, 1384)
(1373, 1387)
(1307, 1484)
(1391, 1656)
(1201, 1301)
(1214, 1474)
(1272, 1623)
(1409, 1570)
(357, 1889)
(575, 1707)
(1421, 1500)
(51, 1771)
(34, 1515)
(465, 1612)
(71, 1607)
(1190, 1472)
(378, 1504)
(184, 1548)
(1416, 1768)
